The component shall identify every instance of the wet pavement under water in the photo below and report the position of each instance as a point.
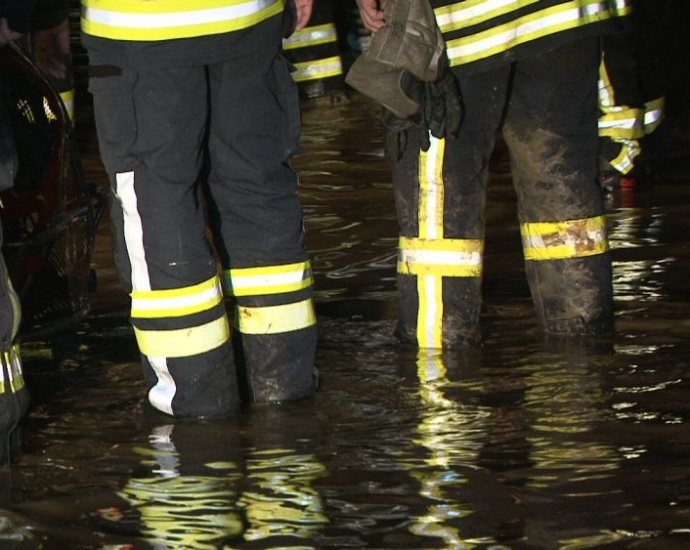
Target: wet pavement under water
(521, 444)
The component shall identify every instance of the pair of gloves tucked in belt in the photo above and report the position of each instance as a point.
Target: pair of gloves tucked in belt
(405, 69)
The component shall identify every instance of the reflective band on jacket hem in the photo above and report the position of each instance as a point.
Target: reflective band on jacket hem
(442, 257)
(277, 279)
(171, 19)
(320, 68)
(184, 342)
(521, 30)
(177, 301)
(563, 240)
(275, 319)
(311, 36)
(463, 14)
(12, 360)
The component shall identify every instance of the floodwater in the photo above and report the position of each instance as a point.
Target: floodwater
(523, 444)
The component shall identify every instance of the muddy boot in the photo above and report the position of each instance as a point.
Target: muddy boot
(275, 368)
(14, 397)
(573, 297)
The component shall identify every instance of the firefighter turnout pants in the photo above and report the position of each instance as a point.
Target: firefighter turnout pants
(546, 107)
(184, 147)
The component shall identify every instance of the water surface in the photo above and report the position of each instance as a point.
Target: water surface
(523, 444)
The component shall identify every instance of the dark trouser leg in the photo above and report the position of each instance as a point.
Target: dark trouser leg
(551, 129)
(257, 221)
(440, 198)
(151, 127)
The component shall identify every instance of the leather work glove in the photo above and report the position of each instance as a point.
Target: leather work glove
(440, 115)
(405, 52)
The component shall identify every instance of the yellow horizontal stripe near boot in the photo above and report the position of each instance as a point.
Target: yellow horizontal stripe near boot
(177, 302)
(276, 279)
(185, 342)
(276, 319)
(564, 240)
(440, 257)
(172, 19)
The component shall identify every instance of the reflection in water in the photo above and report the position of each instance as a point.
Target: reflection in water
(441, 433)
(186, 494)
(636, 275)
(281, 506)
(281, 500)
(174, 499)
(566, 399)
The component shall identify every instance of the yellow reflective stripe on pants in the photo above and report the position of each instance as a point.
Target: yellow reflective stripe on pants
(172, 19)
(318, 68)
(432, 190)
(276, 279)
(430, 314)
(177, 302)
(564, 240)
(431, 226)
(311, 36)
(275, 319)
(184, 342)
(442, 258)
(12, 360)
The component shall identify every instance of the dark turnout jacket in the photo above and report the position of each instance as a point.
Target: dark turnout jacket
(483, 34)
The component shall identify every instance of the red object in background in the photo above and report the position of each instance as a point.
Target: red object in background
(51, 215)
(628, 183)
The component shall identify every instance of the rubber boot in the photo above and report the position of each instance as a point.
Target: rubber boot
(573, 297)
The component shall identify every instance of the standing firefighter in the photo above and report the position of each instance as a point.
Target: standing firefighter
(192, 91)
(529, 69)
